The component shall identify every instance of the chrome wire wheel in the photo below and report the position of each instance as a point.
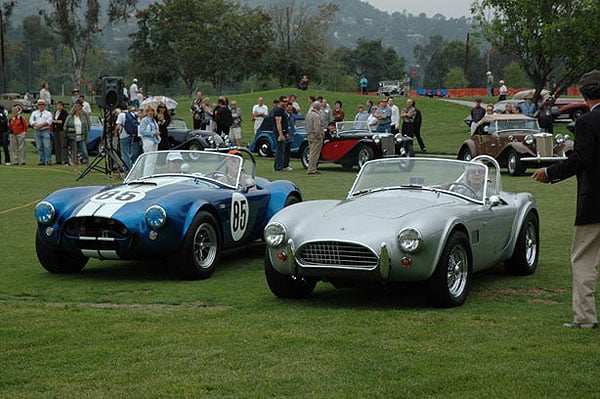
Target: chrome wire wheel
(205, 246)
(531, 244)
(457, 270)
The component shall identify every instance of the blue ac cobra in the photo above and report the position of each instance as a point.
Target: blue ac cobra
(184, 207)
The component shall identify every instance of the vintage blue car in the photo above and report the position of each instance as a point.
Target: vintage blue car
(184, 207)
(406, 220)
(265, 139)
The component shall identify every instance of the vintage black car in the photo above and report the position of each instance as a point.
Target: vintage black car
(181, 137)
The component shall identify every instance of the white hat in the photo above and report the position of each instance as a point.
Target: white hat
(134, 80)
(488, 72)
(174, 156)
(501, 82)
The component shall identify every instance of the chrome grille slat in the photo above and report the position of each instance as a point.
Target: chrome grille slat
(388, 146)
(336, 254)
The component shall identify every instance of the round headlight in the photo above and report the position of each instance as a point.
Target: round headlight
(529, 139)
(274, 234)
(567, 137)
(398, 137)
(45, 212)
(156, 216)
(377, 139)
(559, 139)
(409, 240)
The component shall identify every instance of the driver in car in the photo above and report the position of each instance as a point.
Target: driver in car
(175, 162)
(471, 182)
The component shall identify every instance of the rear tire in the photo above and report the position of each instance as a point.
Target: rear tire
(304, 152)
(365, 154)
(449, 284)
(263, 148)
(286, 286)
(524, 259)
(465, 154)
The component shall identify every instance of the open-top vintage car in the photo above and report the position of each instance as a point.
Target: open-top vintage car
(181, 137)
(406, 220)
(516, 142)
(389, 88)
(184, 207)
(352, 143)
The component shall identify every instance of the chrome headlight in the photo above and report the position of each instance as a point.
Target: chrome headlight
(529, 139)
(398, 137)
(567, 137)
(377, 139)
(559, 138)
(409, 240)
(45, 212)
(274, 234)
(156, 216)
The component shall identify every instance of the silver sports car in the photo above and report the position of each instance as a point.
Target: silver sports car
(405, 220)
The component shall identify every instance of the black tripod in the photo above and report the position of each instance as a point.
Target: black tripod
(107, 152)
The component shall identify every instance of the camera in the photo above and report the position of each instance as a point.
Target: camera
(109, 92)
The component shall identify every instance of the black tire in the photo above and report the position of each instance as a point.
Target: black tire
(576, 114)
(287, 286)
(449, 285)
(263, 148)
(291, 199)
(524, 259)
(304, 152)
(199, 254)
(514, 165)
(465, 154)
(365, 154)
(194, 146)
(56, 260)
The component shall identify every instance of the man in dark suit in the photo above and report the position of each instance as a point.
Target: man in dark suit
(584, 162)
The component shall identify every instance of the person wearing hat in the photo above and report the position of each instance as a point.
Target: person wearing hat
(489, 78)
(583, 162)
(502, 91)
(74, 97)
(174, 161)
(314, 133)
(528, 107)
(133, 94)
(40, 120)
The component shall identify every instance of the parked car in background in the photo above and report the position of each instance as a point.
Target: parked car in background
(95, 135)
(516, 142)
(352, 143)
(179, 207)
(181, 137)
(389, 88)
(406, 220)
(265, 138)
(569, 108)
(11, 100)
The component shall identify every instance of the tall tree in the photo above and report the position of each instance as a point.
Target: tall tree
(77, 25)
(300, 45)
(216, 40)
(554, 40)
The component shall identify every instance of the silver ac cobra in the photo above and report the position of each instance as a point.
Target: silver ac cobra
(404, 220)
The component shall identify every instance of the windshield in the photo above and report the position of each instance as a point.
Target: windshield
(467, 179)
(224, 168)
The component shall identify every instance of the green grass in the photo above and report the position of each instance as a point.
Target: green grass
(134, 330)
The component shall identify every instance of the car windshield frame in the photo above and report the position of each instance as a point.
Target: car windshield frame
(431, 174)
(224, 169)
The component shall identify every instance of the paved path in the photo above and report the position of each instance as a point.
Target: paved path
(469, 104)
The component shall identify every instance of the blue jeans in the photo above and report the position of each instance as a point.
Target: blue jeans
(83, 150)
(44, 145)
(130, 150)
(280, 155)
(384, 128)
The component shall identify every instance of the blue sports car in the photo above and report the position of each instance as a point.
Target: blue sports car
(184, 207)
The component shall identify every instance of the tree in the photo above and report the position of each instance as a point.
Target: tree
(455, 78)
(299, 44)
(554, 40)
(193, 40)
(77, 25)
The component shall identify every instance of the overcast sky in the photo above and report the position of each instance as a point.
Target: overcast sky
(448, 8)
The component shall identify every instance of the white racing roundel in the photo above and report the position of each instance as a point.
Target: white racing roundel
(239, 216)
(118, 196)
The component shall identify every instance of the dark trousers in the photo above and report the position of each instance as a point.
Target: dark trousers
(4, 143)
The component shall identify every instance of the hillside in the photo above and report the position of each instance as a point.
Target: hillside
(355, 20)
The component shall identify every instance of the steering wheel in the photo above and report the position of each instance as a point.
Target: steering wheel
(218, 175)
(463, 185)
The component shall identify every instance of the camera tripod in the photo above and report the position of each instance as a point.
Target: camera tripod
(107, 152)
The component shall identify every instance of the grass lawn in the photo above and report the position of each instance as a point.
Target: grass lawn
(134, 330)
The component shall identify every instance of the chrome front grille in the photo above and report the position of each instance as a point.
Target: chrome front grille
(336, 254)
(388, 145)
(544, 143)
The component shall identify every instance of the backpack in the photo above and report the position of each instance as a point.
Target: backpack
(131, 124)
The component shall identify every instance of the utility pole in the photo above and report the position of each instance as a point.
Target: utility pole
(5, 12)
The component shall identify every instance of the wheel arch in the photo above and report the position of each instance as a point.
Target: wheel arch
(450, 230)
(193, 213)
(518, 224)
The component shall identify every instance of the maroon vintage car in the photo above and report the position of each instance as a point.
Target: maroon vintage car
(571, 108)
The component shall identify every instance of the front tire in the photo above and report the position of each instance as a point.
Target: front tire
(365, 154)
(449, 284)
(514, 165)
(286, 286)
(304, 153)
(199, 254)
(465, 154)
(524, 259)
(263, 148)
(56, 260)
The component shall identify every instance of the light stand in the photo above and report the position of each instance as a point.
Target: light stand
(107, 152)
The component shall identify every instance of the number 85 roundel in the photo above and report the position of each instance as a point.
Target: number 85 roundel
(182, 207)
